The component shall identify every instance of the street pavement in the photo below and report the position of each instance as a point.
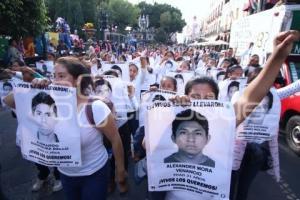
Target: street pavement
(17, 174)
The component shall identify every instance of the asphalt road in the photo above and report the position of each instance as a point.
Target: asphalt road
(18, 174)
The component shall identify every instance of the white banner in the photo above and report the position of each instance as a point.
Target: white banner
(263, 123)
(186, 152)
(48, 125)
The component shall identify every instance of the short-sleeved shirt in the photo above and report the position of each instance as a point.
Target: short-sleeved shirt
(93, 153)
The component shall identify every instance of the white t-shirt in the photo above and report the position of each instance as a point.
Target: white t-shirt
(93, 153)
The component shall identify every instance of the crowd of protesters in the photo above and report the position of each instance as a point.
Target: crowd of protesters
(147, 69)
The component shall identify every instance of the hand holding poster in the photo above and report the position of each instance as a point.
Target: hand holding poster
(194, 156)
(263, 123)
(44, 115)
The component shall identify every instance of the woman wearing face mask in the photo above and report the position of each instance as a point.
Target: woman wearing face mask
(88, 181)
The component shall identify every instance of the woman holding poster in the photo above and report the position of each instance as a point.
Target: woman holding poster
(88, 181)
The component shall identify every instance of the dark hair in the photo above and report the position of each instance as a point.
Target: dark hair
(43, 98)
(11, 41)
(111, 72)
(179, 76)
(7, 84)
(231, 69)
(251, 75)
(102, 82)
(171, 52)
(76, 68)
(20, 62)
(169, 62)
(170, 78)
(220, 74)
(52, 54)
(188, 64)
(270, 102)
(233, 84)
(132, 64)
(233, 61)
(116, 67)
(158, 97)
(202, 80)
(124, 57)
(189, 115)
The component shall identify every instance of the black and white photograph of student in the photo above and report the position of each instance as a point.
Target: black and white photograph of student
(232, 88)
(7, 88)
(258, 115)
(44, 113)
(190, 132)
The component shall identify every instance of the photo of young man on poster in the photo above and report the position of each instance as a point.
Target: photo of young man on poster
(258, 115)
(190, 132)
(44, 113)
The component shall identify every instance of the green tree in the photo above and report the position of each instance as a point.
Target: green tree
(70, 10)
(23, 17)
(164, 18)
(161, 36)
(122, 14)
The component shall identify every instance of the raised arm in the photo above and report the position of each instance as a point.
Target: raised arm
(259, 87)
(289, 90)
(110, 130)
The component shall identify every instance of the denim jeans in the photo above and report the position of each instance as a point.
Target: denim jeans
(92, 187)
(133, 122)
(254, 160)
(137, 142)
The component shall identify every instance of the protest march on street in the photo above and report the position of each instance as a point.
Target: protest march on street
(98, 112)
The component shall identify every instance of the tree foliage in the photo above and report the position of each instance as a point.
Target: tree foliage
(164, 18)
(23, 17)
(122, 13)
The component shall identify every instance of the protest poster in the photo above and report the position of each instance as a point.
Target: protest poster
(114, 89)
(263, 122)
(228, 87)
(44, 115)
(6, 87)
(121, 68)
(193, 155)
(181, 78)
(148, 98)
(46, 67)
